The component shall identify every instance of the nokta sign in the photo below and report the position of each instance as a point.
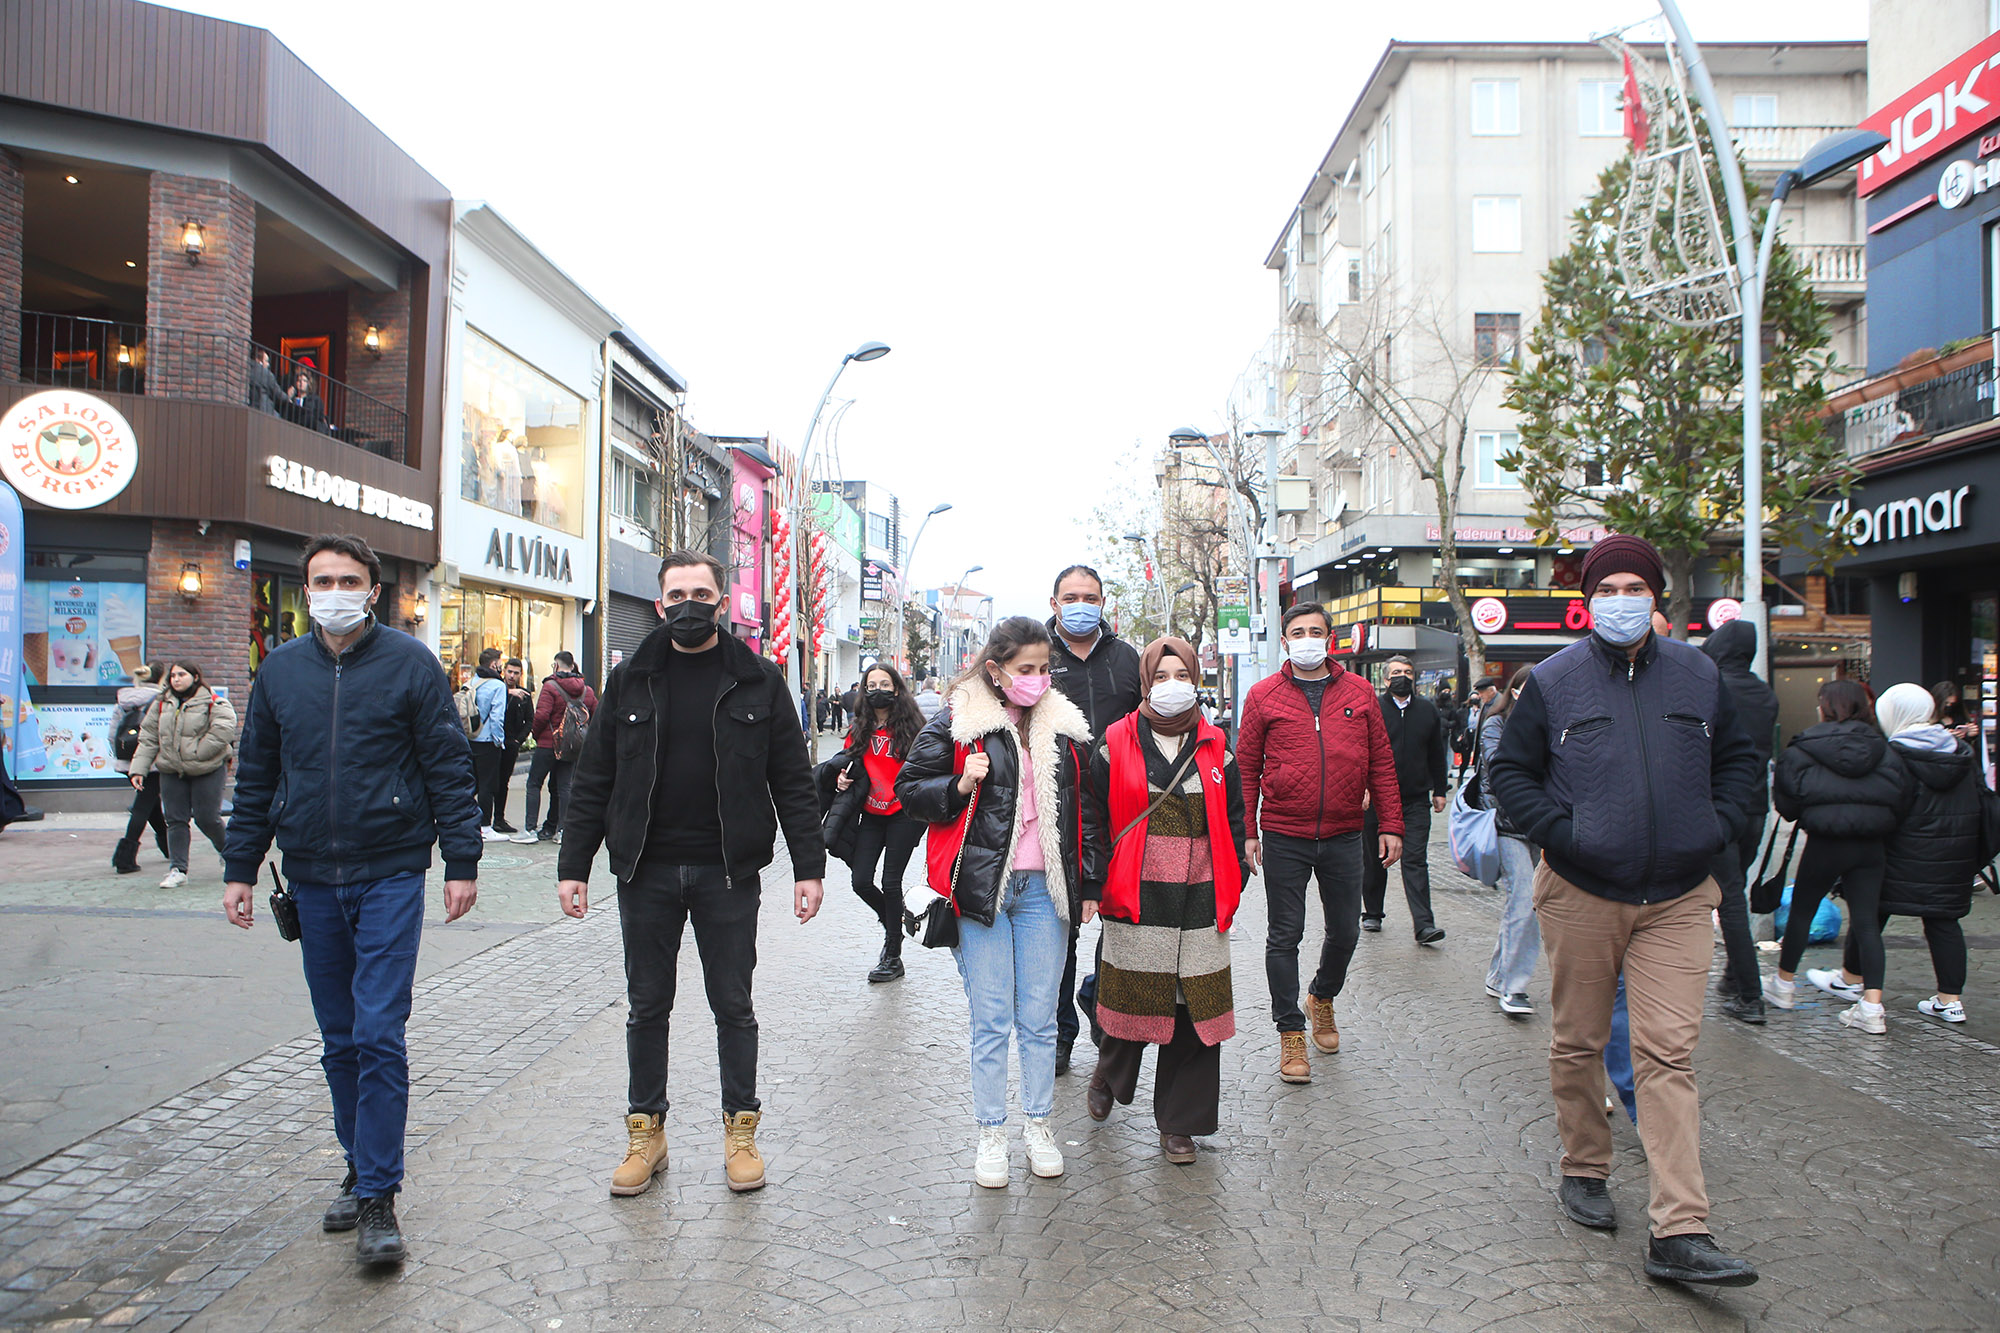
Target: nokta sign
(1897, 520)
(1936, 115)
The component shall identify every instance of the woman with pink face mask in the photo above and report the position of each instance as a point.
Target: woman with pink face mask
(997, 776)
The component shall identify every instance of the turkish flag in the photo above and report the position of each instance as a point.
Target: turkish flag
(1636, 127)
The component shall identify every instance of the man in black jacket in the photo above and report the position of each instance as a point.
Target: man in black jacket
(1732, 648)
(1624, 760)
(354, 759)
(693, 759)
(1416, 738)
(1099, 673)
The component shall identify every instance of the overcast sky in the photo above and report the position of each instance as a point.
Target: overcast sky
(1056, 214)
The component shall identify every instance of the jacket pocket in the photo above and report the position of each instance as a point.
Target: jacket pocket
(1583, 729)
(747, 720)
(635, 731)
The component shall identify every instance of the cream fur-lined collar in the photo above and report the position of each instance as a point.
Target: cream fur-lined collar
(977, 712)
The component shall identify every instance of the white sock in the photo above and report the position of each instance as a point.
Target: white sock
(1870, 1008)
(1783, 984)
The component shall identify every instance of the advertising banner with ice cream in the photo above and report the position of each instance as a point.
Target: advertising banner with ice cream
(89, 634)
(13, 545)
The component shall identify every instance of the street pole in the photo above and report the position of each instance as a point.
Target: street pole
(909, 567)
(1273, 647)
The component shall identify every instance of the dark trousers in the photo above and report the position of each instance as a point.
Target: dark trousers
(1945, 935)
(1416, 865)
(1187, 1081)
(887, 840)
(145, 813)
(199, 799)
(1856, 865)
(1731, 868)
(543, 766)
(654, 906)
(1068, 1024)
(359, 943)
(510, 755)
(1288, 863)
(488, 778)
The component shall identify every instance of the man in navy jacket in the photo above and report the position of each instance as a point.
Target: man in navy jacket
(354, 759)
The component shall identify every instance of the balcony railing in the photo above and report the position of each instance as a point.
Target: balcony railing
(66, 351)
(1906, 407)
(1776, 147)
(1835, 265)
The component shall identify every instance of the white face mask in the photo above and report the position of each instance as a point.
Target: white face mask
(338, 610)
(1171, 698)
(1307, 654)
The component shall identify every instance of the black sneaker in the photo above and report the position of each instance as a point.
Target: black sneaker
(1429, 935)
(345, 1211)
(1062, 1056)
(1696, 1258)
(1744, 1009)
(1372, 924)
(1588, 1203)
(500, 826)
(381, 1240)
(889, 966)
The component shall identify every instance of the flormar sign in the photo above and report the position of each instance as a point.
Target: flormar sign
(283, 474)
(1934, 116)
(1896, 520)
(67, 450)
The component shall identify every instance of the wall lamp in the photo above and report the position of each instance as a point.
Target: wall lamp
(191, 580)
(373, 341)
(421, 611)
(192, 240)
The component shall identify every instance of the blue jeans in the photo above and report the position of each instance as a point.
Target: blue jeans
(1618, 1053)
(359, 943)
(1520, 941)
(1012, 970)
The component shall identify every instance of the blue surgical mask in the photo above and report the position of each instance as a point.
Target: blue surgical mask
(1081, 617)
(1622, 621)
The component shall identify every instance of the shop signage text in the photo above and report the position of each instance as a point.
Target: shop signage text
(296, 478)
(1570, 536)
(1489, 615)
(1935, 115)
(528, 555)
(67, 450)
(1911, 516)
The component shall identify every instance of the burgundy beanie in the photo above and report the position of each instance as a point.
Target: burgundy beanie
(1621, 554)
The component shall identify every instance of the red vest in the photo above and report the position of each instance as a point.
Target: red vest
(1130, 797)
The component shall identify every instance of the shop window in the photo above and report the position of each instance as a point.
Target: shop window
(83, 630)
(1846, 596)
(278, 614)
(523, 448)
(472, 619)
(1496, 106)
(1600, 108)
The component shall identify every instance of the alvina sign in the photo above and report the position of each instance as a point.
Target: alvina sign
(1898, 520)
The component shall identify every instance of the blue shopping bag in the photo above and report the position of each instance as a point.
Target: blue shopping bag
(1475, 840)
(1825, 922)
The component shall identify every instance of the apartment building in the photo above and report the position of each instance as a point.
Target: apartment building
(1440, 202)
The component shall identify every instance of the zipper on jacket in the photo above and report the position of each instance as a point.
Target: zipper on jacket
(1646, 768)
(1319, 743)
(333, 767)
(715, 723)
(1689, 720)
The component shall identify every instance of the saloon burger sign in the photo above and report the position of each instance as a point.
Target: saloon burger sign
(67, 450)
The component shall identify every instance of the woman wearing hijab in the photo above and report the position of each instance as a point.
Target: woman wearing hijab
(1165, 807)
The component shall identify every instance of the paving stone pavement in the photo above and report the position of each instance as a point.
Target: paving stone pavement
(1410, 1186)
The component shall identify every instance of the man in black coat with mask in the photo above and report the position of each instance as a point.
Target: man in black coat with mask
(1732, 648)
(1417, 738)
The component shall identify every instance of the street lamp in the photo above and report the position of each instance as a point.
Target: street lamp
(909, 565)
(958, 593)
(1828, 157)
(1175, 596)
(1269, 432)
(1148, 554)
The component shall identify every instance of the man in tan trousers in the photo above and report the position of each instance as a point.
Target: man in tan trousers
(1623, 760)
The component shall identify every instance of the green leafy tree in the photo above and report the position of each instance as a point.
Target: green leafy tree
(1638, 421)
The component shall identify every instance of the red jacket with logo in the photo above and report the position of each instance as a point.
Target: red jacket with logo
(1305, 775)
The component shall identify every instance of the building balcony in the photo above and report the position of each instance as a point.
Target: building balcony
(1836, 271)
(1932, 401)
(1770, 149)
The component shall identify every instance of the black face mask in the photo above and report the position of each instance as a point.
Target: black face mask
(690, 623)
(1402, 686)
(881, 698)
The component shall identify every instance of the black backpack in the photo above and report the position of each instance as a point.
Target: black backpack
(125, 731)
(575, 725)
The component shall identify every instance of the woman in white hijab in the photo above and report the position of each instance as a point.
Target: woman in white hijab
(1933, 857)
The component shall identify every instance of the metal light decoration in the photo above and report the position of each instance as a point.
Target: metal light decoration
(192, 240)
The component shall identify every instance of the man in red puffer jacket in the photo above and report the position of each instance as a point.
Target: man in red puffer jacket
(548, 763)
(1311, 746)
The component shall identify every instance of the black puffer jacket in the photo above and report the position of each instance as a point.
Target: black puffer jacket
(1843, 780)
(1058, 739)
(1732, 648)
(1934, 852)
(840, 811)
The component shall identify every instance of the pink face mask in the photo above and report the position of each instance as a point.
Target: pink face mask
(1025, 690)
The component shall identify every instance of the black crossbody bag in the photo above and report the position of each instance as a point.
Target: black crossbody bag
(1768, 891)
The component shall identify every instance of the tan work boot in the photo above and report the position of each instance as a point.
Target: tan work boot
(741, 1162)
(1294, 1065)
(1326, 1035)
(645, 1155)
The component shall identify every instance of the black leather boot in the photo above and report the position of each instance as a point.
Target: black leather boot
(345, 1211)
(889, 966)
(125, 856)
(381, 1240)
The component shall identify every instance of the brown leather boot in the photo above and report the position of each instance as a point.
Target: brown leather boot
(645, 1155)
(1294, 1065)
(1326, 1034)
(741, 1161)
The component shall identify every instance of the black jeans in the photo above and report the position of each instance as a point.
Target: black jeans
(654, 906)
(146, 812)
(1416, 864)
(1731, 868)
(1945, 935)
(1288, 863)
(1856, 865)
(510, 755)
(1187, 1080)
(1068, 1023)
(543, 766)
(889, 840)
(488, 761)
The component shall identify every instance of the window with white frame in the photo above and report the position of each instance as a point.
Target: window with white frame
(1754, 109)
(1496, 338)
(1354, 273)
(1496, 223)
(1388, 255)
(1383, 138)
(1368, 168)
(1496, 106)
(1600, 108)
(1489, 447)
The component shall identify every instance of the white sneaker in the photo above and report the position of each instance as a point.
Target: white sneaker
(990, 1169)
(1782, 993)
(1833, 982)
(492, 834)
(1859, 1018)
(1950, 1013)
(525, 836)
(1044, 1158)
(174, 879)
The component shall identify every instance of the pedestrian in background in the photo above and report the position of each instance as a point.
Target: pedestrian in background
(929, 701)
(355, 725)
(885, 835)
(519, 725)
(1165, 812)
(563, 709)
(189, 737)
(1520, 938)
(1733, 647)
(489, 741)
(998, 777)
(1313, 754)
(1953, 715)
(265, 395)
(1470, 715)
(148, 681)
(1417, 740)
(694, 759)
(1847, 787)
(1624, 761)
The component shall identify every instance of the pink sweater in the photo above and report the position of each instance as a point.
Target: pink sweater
(1028, 852)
